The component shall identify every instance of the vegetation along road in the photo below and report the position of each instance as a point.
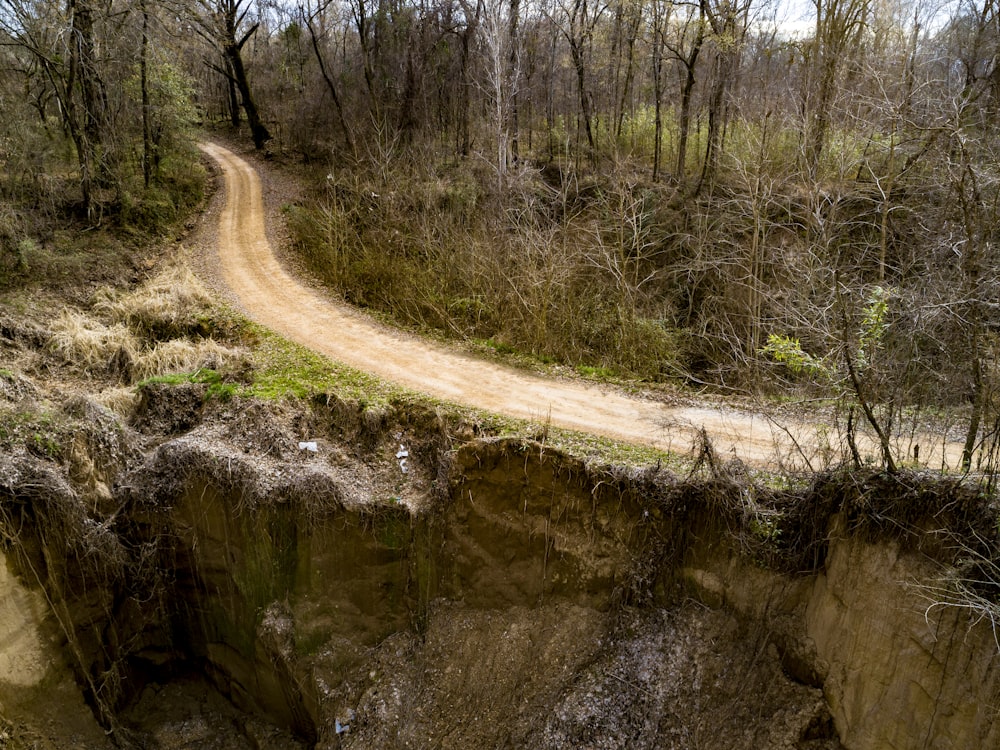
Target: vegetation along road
(274, 298)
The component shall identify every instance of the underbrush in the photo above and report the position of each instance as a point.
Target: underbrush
(444, 252)
(608, 269)
(46, 241)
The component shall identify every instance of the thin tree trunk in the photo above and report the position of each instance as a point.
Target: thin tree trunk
(331, 87)
(513, 75)
(657, 102)
(581, 81)
(147, 140)
(632, 31)
(235, 116)
(81, 49)
(465, 85)
(977, 407)
(689, 62)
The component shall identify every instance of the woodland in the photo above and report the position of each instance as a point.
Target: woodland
(661, 191)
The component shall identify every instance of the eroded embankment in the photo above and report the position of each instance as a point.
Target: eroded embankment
(412, 584)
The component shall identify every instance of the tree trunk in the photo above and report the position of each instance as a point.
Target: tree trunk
(235, 118)
(147, 141)
(657, 56)
(684, 119)
(631, 30)
(513, 74)
(83, 130)
(975, 419)
(716, 120)
(331, 86)
(233, 51)
(689, 61)
(465, 85)
(581, 81)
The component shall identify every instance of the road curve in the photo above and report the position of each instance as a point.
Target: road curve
(272, 297)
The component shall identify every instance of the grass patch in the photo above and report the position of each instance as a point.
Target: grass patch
(218, 387)
(185, 355)
(172, 303)
(600, 450)
(90, 345)
(41, 433)
(596, 372)
(500, 347)
(284, 369)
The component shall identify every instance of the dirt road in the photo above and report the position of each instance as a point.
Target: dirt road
(272, 297)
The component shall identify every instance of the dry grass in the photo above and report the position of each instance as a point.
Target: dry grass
(162, 327)
(92, 346)
(174, 301)
(120, 400)
(117, 349)
(185, 355)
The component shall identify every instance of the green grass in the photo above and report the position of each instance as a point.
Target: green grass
(284, 369)
(601, 450)
(42, 433)
(596, 372)
(218, 388)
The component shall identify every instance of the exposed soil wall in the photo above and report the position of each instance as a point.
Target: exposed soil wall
(401, 587)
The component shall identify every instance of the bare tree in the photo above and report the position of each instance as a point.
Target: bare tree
(223, 23)
(501, 78)
(309, 18)
(686, 49)
(577, 23)
(728, 20)
(840, 25)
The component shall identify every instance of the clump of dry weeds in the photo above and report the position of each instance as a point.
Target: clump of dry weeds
(92, 346)
(172, 303)
(163, 327)
(116, 350)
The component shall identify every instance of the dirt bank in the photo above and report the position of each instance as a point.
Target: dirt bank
(495, 593)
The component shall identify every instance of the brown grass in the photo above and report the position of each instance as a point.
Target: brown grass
(174, 302)
(93, 347)
(185, 355)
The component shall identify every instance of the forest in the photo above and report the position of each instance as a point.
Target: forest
(661, 191)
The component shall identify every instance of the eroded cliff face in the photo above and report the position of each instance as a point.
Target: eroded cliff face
(896, 669)
(403, 587)
(39, 700)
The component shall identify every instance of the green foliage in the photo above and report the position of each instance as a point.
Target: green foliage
(218, 387)
(595, 373)
(283, 369)
(874, 325)
(788, 352)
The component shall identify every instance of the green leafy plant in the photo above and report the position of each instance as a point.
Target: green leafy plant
(788, 352)
(874, 325)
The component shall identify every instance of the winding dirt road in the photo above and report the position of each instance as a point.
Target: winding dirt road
(272, 297)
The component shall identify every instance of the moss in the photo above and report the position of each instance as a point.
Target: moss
(218, 388)
(284, 369)
(42, 434)
(595, 373)
(393, 531)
